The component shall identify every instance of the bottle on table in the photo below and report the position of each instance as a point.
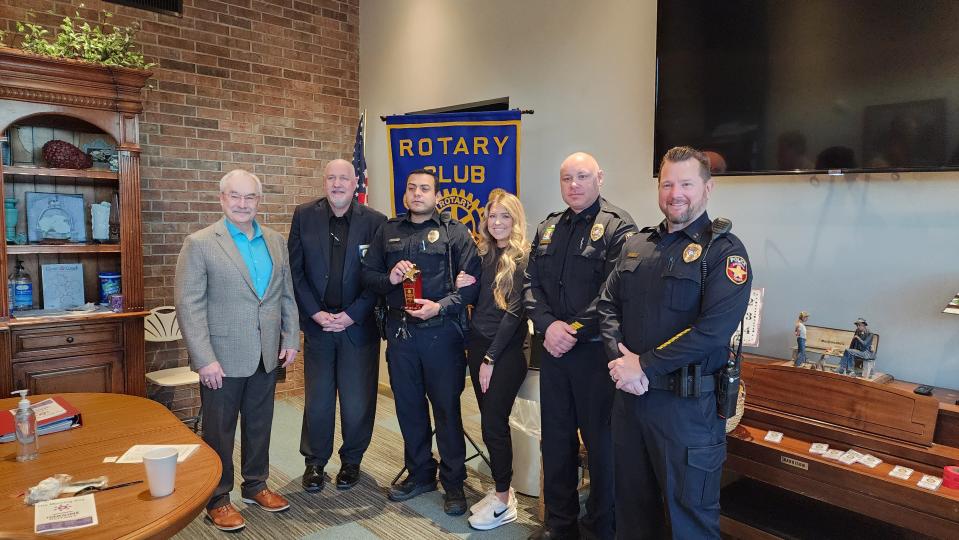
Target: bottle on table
(26, 429)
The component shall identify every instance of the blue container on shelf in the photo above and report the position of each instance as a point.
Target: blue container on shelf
(109, 284)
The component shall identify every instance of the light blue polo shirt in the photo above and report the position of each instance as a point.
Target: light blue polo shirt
(255, 254)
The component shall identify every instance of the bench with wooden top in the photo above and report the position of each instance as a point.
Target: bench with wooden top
(831, 343)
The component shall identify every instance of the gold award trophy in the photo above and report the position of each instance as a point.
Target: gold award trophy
(412, 288)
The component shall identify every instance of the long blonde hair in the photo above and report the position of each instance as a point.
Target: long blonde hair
(516, 250)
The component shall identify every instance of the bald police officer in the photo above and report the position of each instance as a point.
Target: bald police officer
(668, 311)
(573, 252)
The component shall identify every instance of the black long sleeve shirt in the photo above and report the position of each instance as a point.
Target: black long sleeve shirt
(491, 321)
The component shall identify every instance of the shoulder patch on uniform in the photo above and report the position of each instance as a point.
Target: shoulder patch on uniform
(736, 269)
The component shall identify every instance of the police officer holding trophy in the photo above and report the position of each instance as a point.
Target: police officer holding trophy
(573, 252)
(668, 310)
(413, 261)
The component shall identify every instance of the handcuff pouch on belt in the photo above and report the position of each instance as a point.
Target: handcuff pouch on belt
(687, 381)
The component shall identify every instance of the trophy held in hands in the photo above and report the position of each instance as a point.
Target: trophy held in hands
(412, 288)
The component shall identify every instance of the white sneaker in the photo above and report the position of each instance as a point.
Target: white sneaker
(494, 514)
(488, 499)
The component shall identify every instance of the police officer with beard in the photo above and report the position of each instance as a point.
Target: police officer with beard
(668, 311)
(573, 252)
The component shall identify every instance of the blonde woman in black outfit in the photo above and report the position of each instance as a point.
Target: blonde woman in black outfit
(495, 346)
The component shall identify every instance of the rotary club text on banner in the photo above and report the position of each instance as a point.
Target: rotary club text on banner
(471, 153)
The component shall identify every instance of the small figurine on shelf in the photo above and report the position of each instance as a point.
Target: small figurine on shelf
(115, 219)
(800, 332)
(859, 348)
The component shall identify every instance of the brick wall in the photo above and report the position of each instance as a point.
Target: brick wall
(271, 86)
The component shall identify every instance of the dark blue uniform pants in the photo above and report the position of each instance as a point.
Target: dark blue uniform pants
(430, 364)
(334, 365)
(576, 393)
(667, 448)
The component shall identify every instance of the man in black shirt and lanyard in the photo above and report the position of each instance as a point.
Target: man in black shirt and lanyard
(425, 348)
(668, 311)
(327, 238)
(573, 252)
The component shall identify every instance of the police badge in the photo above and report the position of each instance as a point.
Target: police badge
(692, 252)
(433, 235)
(597, 232)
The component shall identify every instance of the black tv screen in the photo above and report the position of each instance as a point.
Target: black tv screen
(790, 86)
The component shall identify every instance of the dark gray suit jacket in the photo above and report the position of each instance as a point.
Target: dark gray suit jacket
(309, 247)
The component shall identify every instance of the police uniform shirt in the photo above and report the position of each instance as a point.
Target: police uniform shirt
(571, 256)
(653, 303)
(425, 245)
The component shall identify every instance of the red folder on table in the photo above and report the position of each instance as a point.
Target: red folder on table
(53, 414)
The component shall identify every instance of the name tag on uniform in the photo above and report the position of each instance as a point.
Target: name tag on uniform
(394, 241)
(363, 248)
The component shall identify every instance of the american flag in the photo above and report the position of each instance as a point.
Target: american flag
(359, 160)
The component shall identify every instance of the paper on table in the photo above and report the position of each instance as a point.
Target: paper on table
(135, 453)
(64, 514)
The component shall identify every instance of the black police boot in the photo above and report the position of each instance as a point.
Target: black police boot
(313, 478)
(408, 488)
(348, 476)
(454, 502)
(547, 533)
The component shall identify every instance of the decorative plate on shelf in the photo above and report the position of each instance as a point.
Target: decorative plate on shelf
(55, 216)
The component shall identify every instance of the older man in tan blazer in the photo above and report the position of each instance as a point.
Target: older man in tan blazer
(235, 302)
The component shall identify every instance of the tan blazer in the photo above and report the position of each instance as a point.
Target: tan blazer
(221, 317)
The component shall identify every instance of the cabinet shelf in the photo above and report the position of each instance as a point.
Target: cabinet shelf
(100, 174)
(14, 322)
(40, 249)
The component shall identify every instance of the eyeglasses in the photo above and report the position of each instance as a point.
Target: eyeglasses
(236, 197)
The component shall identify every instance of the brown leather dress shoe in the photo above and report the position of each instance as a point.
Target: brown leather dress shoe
(226, 518)
(270, 501)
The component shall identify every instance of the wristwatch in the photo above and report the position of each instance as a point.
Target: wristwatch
(488, 360)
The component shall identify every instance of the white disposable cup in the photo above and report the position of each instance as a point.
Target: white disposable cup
(161, 470)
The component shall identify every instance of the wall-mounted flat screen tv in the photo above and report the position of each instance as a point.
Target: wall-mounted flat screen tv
(799, 86)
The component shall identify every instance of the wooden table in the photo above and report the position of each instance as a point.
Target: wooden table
(112, 423)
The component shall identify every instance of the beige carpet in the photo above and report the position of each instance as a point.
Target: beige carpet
(363, 512)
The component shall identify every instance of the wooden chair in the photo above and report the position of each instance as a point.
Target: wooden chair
(159, 326)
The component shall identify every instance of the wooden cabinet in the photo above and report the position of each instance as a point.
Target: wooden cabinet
(89, 106)
(90, 373)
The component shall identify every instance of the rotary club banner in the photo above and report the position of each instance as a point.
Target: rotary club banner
(471, 153)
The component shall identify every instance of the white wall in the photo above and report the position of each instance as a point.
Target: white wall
(877, 246)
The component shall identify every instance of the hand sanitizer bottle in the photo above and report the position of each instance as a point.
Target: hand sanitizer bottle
(26, 429)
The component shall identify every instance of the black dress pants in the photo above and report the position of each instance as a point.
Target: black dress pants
(496, 404)
(252, 399)
(334, 365)
(576, 393)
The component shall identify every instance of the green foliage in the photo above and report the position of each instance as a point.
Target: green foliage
(79, 40)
